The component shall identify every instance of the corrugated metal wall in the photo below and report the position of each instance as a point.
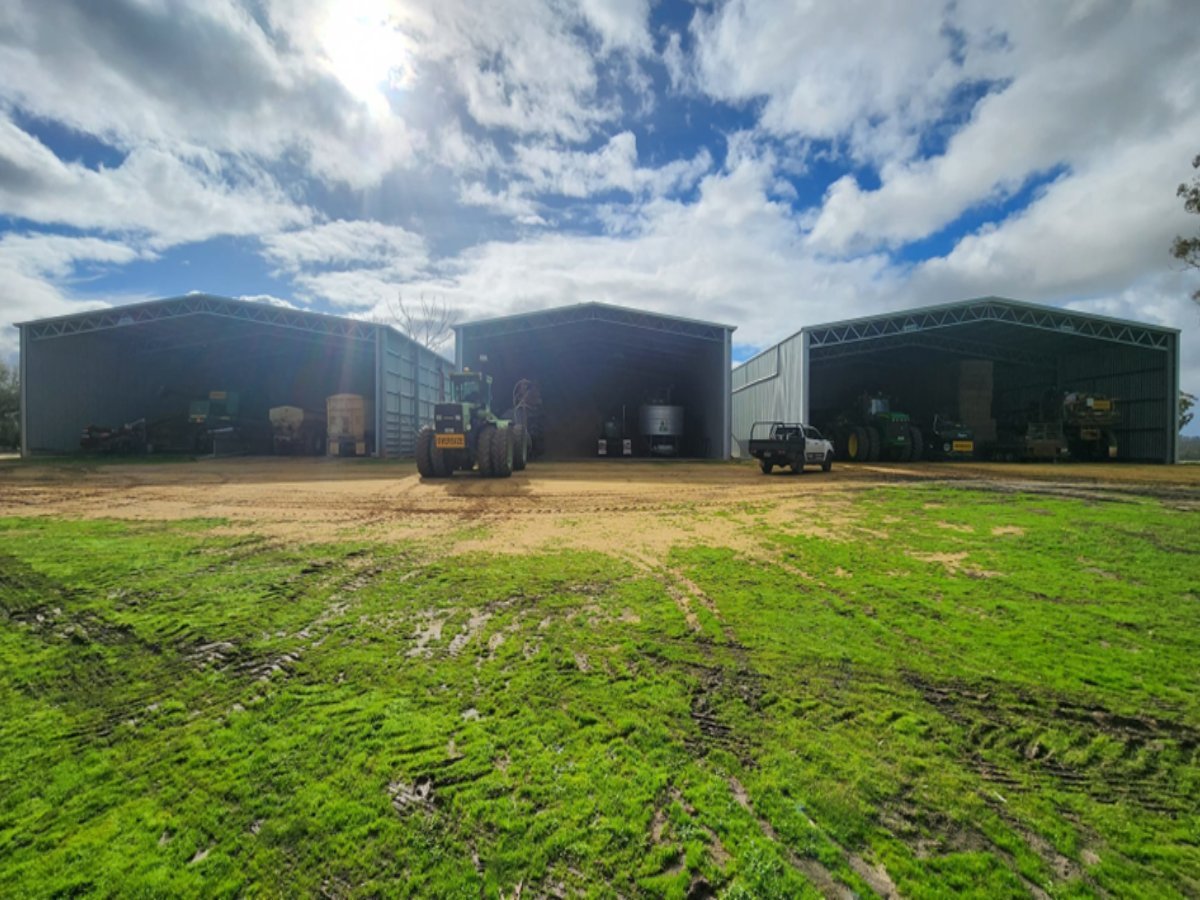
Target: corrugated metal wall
(75, 382)
(414, 379)
(770, 386)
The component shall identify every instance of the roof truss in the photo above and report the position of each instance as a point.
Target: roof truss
(203, 305)
(989, 310)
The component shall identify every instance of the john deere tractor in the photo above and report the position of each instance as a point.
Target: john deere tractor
(467, 435)
(872, 431)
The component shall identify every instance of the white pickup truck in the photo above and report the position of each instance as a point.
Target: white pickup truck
(789, 444)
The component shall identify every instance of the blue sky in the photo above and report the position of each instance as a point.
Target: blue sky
(768, 164)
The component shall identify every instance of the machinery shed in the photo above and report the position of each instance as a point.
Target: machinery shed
(148, 360)
(596, 367)
(990, 359)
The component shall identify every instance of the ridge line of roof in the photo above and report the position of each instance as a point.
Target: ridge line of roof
(595, 304)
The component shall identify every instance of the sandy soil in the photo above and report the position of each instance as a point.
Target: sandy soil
(640, 509)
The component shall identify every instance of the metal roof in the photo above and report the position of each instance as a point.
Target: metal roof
(175, 320)
(1000, 313)
(596, 312)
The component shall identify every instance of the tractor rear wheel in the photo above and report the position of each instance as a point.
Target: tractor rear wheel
(520, 442)
(502, 453)
(872, 444)
(425, 453)
(483, 450)
(916, 443)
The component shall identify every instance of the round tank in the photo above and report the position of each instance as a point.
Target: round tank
(661, 421)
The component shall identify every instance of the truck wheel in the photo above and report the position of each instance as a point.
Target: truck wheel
(520, 447)
(766, 466)
(917, 444)
(872, 444)
(425, 453)
(483, 450)
(828, 462)
(502, 453)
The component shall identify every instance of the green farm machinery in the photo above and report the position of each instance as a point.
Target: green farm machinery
(872, 430)
(467, 435)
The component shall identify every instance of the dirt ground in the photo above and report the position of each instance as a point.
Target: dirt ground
(639, 508)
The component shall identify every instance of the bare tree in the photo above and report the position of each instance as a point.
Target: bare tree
(430, 321)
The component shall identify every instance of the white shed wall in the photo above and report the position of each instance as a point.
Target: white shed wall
(771, 386)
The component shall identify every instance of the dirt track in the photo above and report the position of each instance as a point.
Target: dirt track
(638, 507)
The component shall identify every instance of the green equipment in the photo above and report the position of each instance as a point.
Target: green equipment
(467, 435)
(215, 414)
(871, 430)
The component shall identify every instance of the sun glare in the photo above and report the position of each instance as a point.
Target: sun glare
(365, 51)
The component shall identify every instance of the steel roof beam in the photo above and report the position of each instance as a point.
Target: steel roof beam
(1041, 318)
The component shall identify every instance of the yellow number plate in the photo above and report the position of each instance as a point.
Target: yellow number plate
(1102, 405)
(450, 441)
(964, 446)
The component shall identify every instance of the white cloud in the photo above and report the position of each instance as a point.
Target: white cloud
(1095, 232)
(36, 272)
(870, 72)
(613, 167)
(151, 193)
(1083, 88)
(187, 76)
(341, 243)
(350, 264)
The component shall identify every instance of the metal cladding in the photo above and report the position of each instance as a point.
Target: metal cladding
(656, 420)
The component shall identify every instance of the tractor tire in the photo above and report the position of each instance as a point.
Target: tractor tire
(425, 453)
(520, 442)
(857, 447)
(483, 451)
(916, 444)
(827, 464)
(502, 453)
(766, 466)
(872, 444)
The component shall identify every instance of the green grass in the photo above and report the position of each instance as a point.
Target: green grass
(979, 713)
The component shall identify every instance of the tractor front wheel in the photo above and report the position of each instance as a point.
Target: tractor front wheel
(502, 453)
(483, 450)
(856, 444)
(425, 454)
(766, 467)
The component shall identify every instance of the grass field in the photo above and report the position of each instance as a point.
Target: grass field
(914, 689)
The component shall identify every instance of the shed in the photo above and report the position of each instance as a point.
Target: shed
(595, 363)
(994, 355)
(146, 360)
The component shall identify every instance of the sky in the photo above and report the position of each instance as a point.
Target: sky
(767, 164)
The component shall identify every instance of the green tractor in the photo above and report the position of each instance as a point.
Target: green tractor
(872, 431)
(467, 435)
